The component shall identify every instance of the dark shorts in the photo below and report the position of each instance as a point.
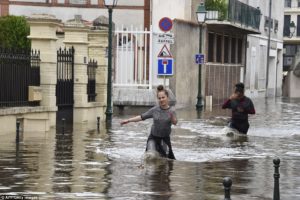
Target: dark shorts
(168, 153)
(241, 126)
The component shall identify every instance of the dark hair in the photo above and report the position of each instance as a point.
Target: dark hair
(239, 87)
(161, 88)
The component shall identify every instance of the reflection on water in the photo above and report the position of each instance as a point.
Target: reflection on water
(81, 163)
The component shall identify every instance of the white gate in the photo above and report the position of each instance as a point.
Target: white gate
(133, 58)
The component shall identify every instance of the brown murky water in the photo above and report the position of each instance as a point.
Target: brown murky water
(85, 164)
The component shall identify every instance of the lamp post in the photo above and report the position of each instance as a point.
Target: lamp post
(201, 16)
(110, 4)
(292, 29)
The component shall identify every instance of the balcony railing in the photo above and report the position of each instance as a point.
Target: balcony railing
(244, 14)
(238, 13)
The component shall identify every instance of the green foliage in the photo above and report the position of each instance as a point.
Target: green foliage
(218, 5)
(13, 32)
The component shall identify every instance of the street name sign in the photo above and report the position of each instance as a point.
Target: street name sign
(199, 59)
(164, 38)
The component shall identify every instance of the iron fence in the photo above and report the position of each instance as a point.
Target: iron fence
(19, 69)
(91, 86)
(65, 77)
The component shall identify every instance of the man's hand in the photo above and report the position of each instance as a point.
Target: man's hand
(233, 96)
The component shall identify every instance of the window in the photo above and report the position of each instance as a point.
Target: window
(286, 28)
(226, 49)
(211, 47)
(82, 2)
(275, 26)
(240, 50)
(298, 25)
(233, 50)
(290, 50)
(219, 49)
(298, 3)
(267, 21)
(288, 3)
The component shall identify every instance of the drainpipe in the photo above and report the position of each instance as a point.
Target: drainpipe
(268, 48)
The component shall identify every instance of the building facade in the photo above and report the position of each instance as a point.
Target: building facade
(263, 74)
(291, 33)
(128, 12)
(235, 46)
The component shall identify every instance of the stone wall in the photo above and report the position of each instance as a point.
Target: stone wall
(217, 79)
(48, 34)
(220, 81)
(185, 89)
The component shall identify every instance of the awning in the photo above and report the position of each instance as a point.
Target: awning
(230, 27)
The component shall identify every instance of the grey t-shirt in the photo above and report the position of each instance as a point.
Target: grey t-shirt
(161, 126)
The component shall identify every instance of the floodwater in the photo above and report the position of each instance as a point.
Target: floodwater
(87, 164)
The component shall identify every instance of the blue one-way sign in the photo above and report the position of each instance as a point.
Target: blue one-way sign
(199, 58)
(165, 66)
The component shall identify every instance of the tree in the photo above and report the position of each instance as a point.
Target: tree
(13, 32)
(218, 5)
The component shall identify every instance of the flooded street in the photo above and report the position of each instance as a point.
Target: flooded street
(86, 164)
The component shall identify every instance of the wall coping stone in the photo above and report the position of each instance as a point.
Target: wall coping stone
(25, 110)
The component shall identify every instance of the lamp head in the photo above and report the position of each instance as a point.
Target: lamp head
(292, 28)
(201, 13)
(110, 3)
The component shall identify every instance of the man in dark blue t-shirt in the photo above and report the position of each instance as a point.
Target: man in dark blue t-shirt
(241, 106)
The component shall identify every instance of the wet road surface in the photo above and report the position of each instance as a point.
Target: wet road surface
(85, 164)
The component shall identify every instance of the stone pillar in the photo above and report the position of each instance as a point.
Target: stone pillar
(98, 43)
(76, 35)
(43, 37)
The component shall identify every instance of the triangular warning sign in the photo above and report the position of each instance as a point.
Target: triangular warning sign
(164, 53)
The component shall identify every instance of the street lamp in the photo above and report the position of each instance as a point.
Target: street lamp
(201, 16)
(292, 29)
(110, 4)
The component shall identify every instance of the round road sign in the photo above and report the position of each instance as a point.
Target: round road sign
(165, 24)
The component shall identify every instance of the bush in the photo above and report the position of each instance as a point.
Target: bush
(13, 32)
(218, 5)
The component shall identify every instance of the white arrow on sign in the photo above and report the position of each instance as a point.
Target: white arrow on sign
(165, 63)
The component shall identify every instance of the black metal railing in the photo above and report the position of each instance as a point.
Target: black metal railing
(19, 69)
(65, 77)
(91, 86)
(244, 14)
(35, 68)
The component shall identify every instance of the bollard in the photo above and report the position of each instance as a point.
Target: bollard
(98, 123)
(63, 125)
(18, 132)
(227, 182)
(276, 194)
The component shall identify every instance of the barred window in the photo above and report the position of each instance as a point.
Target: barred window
(78, 1)
(211, 47)
(233, 50)
(226, 49)
(240, 50)
(287, 3)
(219, 49)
